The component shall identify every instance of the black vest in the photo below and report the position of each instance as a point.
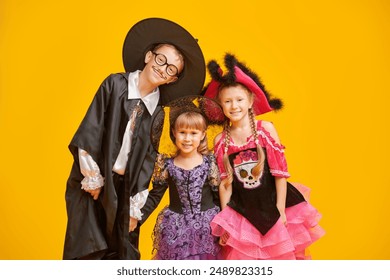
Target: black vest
(258, 205)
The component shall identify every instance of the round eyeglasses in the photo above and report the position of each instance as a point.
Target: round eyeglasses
(161, 60)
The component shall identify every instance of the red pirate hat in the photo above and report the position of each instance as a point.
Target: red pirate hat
(239, 73)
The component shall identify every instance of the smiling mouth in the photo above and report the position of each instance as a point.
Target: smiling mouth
(158, 72)
(187, 145)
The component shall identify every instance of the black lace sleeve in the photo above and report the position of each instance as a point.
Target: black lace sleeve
(160, 173)
(214, 176)
(160, 185)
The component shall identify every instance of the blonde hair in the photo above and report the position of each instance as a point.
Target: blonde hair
(193, 120)
(259, 167)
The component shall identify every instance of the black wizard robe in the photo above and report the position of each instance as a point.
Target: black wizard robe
(102, 226)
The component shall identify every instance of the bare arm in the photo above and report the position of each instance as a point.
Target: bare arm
(281, 192)
(225, 192)
(280, 182)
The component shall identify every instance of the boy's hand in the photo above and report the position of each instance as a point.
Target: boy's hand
(94, 193)
(132, 224)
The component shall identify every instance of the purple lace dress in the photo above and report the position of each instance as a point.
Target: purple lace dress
(182, 229)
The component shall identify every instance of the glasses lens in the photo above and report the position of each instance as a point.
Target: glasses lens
(172, 70)
(160, 59)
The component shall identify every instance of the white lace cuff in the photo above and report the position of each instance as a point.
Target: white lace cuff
(136, 203)
(92, 178)
(92, 183)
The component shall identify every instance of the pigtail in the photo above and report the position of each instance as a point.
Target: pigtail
(226, 162)
(258, 169)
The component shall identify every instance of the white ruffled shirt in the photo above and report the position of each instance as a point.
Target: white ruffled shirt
(89, 168)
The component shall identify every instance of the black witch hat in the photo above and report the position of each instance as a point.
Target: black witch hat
(148, 33)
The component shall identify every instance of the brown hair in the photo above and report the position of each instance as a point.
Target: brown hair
(193, 120)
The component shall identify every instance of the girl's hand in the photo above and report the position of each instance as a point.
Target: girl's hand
(223, 239)
(283, 217)
(133, 222)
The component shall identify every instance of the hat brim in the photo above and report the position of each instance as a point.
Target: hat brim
(147, 33)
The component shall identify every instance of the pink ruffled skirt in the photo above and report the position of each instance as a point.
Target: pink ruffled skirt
(279, 243)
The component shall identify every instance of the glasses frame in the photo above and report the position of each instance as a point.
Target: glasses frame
(165, 63)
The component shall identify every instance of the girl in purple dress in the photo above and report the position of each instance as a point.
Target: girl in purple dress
(182, 230)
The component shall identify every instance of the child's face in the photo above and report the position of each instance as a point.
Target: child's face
(157, 74)
(235, 102)
(188, 139)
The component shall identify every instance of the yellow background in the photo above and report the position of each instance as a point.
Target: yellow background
(328, 60)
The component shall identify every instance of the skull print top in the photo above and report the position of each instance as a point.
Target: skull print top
(253, 198)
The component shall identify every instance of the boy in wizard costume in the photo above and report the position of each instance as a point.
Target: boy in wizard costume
(112, 148)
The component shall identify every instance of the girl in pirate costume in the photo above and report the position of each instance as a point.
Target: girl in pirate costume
(263, 216)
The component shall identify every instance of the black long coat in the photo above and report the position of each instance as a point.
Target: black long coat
(102, 225)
